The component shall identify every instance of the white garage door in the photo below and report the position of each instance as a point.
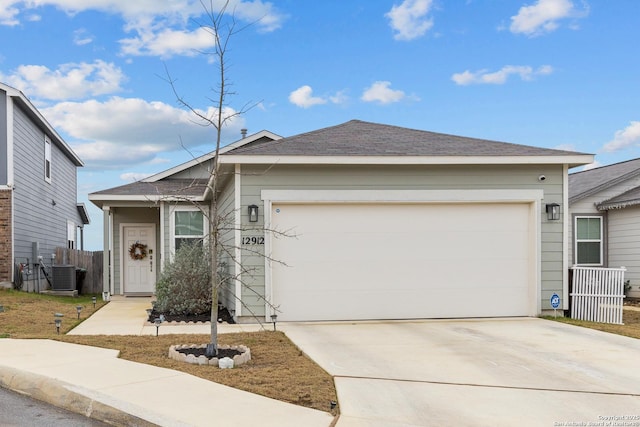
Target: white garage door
(402, 261)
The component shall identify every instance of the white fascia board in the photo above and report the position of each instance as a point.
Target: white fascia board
(17, 94)
(403, 196)
(97, 199)
(578, 159)
(209, 156)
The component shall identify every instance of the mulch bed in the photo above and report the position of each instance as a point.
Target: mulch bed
(222, 352)
(223, 317)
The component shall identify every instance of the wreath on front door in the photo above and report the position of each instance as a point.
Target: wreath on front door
(138, 251)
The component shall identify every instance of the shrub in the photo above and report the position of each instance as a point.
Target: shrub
(184, 287)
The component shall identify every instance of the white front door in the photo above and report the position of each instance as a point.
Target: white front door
(139, 263)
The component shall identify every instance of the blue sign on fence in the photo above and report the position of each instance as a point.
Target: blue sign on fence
(555, 301)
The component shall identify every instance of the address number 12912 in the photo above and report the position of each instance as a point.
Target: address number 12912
(254, 240)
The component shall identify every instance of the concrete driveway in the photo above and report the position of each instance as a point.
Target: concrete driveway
(525, 372)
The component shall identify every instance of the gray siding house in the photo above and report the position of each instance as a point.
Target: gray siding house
(38, 205)
(605, 219)
(360, 221)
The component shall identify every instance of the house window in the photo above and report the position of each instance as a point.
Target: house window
(47, 159)
(188, 226)
(589, 248)
(71, 235)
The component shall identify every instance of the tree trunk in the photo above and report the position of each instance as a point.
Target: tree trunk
(212, 347)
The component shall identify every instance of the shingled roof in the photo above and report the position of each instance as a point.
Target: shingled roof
(359, 138)
(169, 188)
(586, 183)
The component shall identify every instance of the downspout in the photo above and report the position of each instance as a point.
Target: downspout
(107, 279)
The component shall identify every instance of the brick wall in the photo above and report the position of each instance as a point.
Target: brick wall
(5, 236)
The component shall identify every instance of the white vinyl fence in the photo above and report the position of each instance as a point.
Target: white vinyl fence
(598, 294)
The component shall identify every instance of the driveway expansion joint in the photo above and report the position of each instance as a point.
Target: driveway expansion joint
(506, 387)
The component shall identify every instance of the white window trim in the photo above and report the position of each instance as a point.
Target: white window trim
(172, 223)
(47, 159)
(576, 240)
(71, 234)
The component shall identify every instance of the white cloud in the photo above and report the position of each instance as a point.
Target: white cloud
(565, 147)
(303, 97)
(409, 19)
(624, 138)
(82, 37)
(69, 81)
(543, 17)
(8, 13)
(160, 27)
(500, 77)
(340, 97)
(167, 42)
(136, 130)
(593, 165)
(382, 93)
(134, 176)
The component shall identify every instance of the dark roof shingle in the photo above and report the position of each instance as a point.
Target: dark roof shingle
(168, 188)
(585, 183)
(359, 138)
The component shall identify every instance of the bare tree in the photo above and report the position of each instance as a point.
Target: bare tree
(221, 24)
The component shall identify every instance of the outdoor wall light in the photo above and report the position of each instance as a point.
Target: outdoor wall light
(78, 309)
(553, 211)
(253, 213)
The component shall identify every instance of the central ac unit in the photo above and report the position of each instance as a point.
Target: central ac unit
(64, 278)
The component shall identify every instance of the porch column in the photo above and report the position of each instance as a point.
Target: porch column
(106, 246)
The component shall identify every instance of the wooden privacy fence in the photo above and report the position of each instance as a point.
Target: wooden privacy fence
(598, 294)
(92, 262)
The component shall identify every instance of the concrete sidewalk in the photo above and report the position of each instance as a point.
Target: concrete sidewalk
(95, 382)
(127, 316)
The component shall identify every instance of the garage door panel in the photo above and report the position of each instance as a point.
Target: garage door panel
(391, 261)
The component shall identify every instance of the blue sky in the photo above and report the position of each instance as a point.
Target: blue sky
(549, 73)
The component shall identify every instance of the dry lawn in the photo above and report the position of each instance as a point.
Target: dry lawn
(631, 327)
(278, 369)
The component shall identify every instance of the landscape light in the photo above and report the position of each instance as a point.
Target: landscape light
(58, 321)
(157, 322)
(79, 309)
(274, 319)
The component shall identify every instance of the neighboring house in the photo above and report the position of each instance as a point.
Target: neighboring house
(38, 205)
(360, 221)
(604, 204)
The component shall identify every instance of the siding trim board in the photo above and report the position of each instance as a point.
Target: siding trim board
(237, 203)
(10, 148)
